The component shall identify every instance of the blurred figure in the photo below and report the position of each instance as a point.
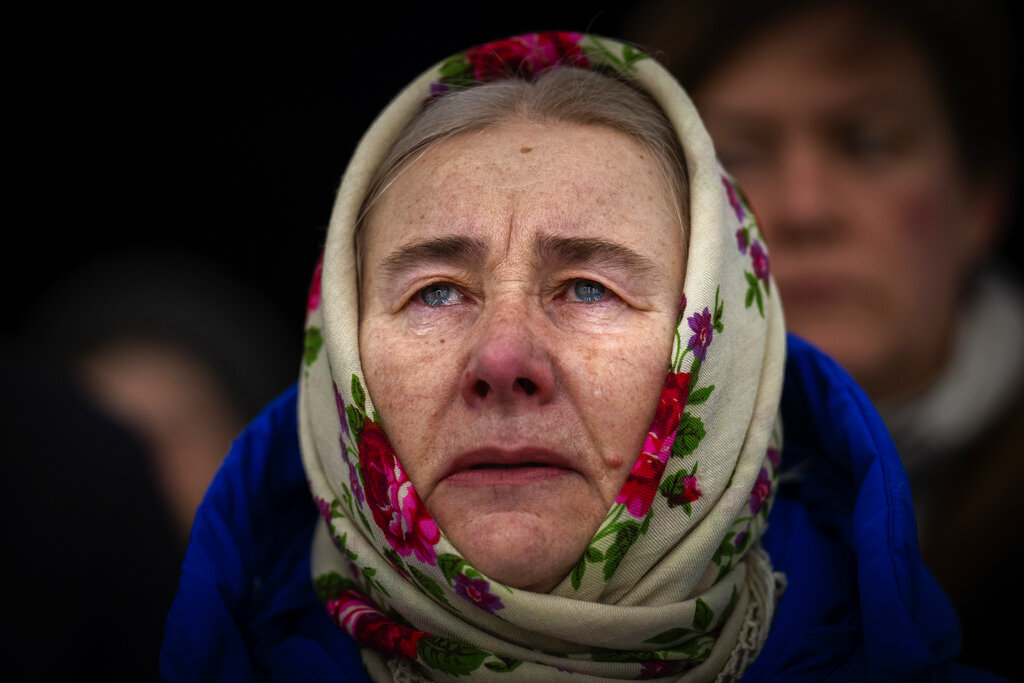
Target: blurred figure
(873, 142)
(93, 556)
(121, 398)
(181, 354)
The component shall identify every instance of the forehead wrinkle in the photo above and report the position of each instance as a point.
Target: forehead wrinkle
(449, 249)
(593, 250)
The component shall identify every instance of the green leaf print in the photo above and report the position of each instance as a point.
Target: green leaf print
(696, 650)
(577, 573)
(691, 431)
(456, 71)
(628, 533)
(450, 565)
(719, 309)
(699, 396)
(622, 656)
(355, 420)
(330, 585)
(703, 616)
(733, 599)
(358, 395)
(428, 584)
(670, 636)
(727, 548)
(314, 340)
(449, 656)
(503, 665)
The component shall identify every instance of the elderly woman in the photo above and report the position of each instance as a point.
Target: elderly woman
(539, 414)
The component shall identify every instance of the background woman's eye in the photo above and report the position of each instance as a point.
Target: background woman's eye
(588, 291)
(437, 294)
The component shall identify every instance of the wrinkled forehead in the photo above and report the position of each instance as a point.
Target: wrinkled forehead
(523, 182)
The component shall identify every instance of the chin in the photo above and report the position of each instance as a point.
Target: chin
(518, 549)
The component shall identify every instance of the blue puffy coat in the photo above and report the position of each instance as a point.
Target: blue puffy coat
(859, 604)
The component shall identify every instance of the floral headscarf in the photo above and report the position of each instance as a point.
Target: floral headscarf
(674, 585)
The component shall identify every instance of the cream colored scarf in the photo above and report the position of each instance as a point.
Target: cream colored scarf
(674, 585)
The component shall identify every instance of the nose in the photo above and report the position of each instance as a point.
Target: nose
(800, 207)
(508, 365)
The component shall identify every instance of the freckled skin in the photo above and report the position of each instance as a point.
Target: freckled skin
(839, 138)
(516, 321)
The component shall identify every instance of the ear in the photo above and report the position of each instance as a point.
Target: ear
(989, 213)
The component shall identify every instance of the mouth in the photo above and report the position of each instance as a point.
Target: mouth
(489, 467)
(504, 466)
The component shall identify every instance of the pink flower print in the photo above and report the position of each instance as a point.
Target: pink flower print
(702, 328)
(642, 484)
(370, 627)
(477, 591)
(397, 509)
(741, 240)
(774, 457)
(690, 492)
(759, 258)
(659, 668)
(762, 489)
(668, 413)
(734, 199)
(313, 302)
(526, 56)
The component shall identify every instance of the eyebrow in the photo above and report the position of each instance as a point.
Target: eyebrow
(454, 249)
(465, 251)
(595, 251)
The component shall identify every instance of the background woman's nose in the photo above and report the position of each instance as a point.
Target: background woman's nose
(800, 205)
(507, 366)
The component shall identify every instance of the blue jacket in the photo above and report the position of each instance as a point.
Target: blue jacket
(859, 605)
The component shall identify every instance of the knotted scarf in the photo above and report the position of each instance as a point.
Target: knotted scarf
(674, 585)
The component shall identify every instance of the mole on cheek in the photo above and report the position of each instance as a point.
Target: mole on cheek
(526, 150)
(613, 460)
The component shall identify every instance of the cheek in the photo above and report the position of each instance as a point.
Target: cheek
(620, 385)
(406, 380)
(926, 240)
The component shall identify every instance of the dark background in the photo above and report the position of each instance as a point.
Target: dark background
(218, 130)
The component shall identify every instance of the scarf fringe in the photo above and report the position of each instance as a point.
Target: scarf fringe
(401, 672)
(766, 587)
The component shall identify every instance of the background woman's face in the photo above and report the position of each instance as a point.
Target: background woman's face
(838, 136)
(519, 296)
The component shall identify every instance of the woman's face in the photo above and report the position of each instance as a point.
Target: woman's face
(519, 295)
(838, 135)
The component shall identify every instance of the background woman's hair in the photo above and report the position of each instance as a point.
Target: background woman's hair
(565, 95)
(969, 47)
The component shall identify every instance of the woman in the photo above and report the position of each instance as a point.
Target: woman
(876, 142)
(539, 414)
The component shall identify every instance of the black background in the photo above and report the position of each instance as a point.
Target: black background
(218, 130)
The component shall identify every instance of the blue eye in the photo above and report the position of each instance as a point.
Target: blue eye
(588, 291)
(435, 295)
